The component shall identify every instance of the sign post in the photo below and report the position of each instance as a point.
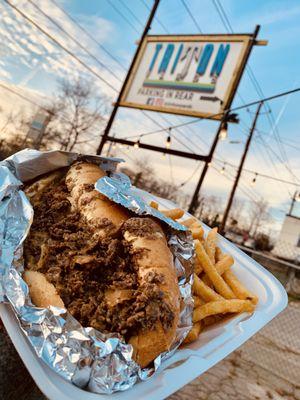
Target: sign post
(117, 103)
(215, 142)
(240, 169)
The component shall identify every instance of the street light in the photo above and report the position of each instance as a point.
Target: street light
(223, 169)
(253, 182)
(137, 144)
(168, 142)
(223, 132)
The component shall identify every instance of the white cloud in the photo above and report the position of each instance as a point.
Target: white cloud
(19, 37)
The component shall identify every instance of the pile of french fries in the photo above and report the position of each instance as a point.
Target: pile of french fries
(216, 289)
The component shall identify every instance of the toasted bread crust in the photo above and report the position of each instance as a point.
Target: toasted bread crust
(91, 203)
(156, 257)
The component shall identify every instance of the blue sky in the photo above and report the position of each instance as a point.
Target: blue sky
(33, 63)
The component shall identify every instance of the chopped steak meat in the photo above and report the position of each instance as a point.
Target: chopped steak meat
(84, 268)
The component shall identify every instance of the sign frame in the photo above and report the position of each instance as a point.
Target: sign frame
(247, 42)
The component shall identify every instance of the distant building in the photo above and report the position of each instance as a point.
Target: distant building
(38, 126)
(288, 243)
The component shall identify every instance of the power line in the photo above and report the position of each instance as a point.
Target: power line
(180, 131)
(70, 53)
(131, 13)
(162, 117)
(240, 188)
(232, 165)
(185, 145)
(47, 110)
(81, 62)
(88, 67)
(223, 19)
(228, 26)
(285, 142)
(250, 196)
(266, 157)
(267, 152)
(88, 34)
(259, 173)
(178, 140)
(60, 45)
(233, 109)
(191, 15)
(156, 18)
(278, 158)
(193, 121)
(191, 176)
(183, 134)
(262, 147)
(123, 16)
(75, 41)
(91, 37)
(24, 97)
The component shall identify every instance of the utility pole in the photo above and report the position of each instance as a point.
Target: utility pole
(296, 197)
(215, 142)
(116, 105)
(194, 201)
(237, 178)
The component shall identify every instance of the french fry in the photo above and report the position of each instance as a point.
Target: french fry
(221, 307)
(219, 284)
(219, 254)
(189, 221)
(212, 319)
(238, 288)
(198, 301)
(204, 291)
(210, 244)
(193, 333)
(196, 224)
(197, 266)
(153, 204)
(175, 213)
(221, 266)
(197, 232)
(224, 264)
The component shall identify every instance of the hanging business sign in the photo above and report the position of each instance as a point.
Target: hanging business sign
(192, 75)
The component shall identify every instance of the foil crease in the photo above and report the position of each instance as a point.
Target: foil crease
(89, 359)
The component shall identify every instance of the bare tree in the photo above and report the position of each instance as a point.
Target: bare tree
(259, 215)
(237, 209)
(13, 131)
(11, 145)
(75, 113)
(14, 122)
(210, 208)
(7, 120)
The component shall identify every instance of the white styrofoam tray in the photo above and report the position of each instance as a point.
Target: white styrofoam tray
(213, 345)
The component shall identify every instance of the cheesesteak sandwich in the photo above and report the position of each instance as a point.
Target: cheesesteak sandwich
(110, 270)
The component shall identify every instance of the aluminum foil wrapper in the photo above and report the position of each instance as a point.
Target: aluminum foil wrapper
(82, 355)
